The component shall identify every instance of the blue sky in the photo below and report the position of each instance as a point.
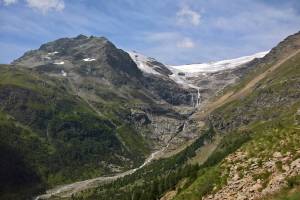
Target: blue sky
(173, 31)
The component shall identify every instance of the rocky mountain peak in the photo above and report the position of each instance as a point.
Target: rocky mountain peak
(87, 55)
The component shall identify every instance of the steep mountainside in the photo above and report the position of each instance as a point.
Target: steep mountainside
(248, 149)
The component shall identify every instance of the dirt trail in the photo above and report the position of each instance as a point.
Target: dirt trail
(67, 190)
(230, 96)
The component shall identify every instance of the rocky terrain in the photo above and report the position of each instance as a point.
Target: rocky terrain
(260, 178)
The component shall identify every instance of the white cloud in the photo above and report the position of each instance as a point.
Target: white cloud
(187, 16)
(46, 5)
(9, 2)
(186, 43)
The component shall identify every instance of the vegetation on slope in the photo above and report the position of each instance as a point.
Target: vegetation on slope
(55, 136)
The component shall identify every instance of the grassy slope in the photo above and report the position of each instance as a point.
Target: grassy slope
(271, 110)
(56, 135)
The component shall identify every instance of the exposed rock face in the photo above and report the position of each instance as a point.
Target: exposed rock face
(258, 179)
(164, 124)
(86, 56)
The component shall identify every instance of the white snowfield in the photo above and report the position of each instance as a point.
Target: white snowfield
(192, 70)
(142, 63)
(216, 66)
(59, 63)
(89, 59)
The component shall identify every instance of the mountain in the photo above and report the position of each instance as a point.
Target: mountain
(247, 147)
(80, 108)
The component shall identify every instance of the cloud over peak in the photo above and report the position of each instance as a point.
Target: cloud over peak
(186, 43)
(187, 16)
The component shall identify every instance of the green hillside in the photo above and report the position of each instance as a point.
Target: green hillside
(55, 136)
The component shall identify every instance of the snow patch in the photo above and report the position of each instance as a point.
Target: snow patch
(89, 59)
(63, 73)
(59, 63)
(53, 53)
(142, 63)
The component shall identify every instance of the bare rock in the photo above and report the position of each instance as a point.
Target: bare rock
(277, 155)
(256, 187)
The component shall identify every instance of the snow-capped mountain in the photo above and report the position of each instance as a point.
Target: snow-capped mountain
(185, 75)
(204, 79)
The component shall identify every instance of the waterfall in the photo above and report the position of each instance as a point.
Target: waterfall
(198, 96)
(192, 100)
(195, 102)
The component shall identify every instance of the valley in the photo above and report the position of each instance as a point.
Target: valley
(107, 124)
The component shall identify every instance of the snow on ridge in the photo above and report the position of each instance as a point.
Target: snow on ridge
(53, 53)
(59, 63)
(216, 66)
(142, 63)
(89, 59)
